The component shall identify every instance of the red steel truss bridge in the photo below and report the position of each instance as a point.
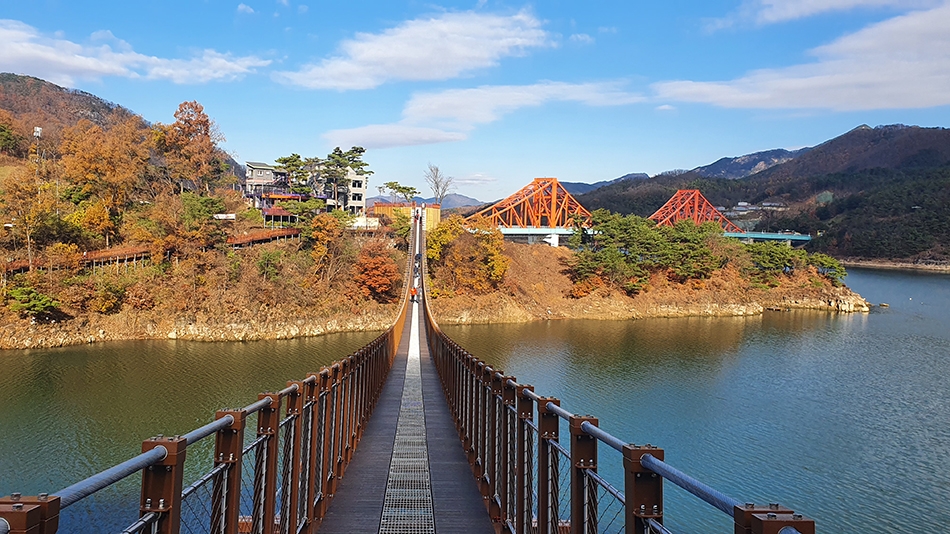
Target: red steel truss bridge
(690, 204)
(409, 434)
(544, 203)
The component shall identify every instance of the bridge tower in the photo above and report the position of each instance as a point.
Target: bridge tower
(691, 204)
(544, 203)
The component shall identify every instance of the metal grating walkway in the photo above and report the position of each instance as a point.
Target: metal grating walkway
(407, 508)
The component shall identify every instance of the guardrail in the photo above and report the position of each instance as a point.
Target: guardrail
(536, 481)
(279, 483)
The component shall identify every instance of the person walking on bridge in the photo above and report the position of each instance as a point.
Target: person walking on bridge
(412, 293)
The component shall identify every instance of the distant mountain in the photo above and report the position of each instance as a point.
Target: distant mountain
(36, 102)
(884, 147)
(579, 188)
(452, 200)
(742, 166)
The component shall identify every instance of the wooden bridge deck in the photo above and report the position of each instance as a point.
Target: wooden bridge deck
(456, 504)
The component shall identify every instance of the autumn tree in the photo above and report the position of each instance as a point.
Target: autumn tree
(190, 147)
(467, 256)
(28, 202)
(375, 272)
(108, 164)
(440, 183)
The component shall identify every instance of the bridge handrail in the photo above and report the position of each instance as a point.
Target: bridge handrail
(339, 397)
(482, 398)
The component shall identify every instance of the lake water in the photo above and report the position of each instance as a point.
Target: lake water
(845, 418)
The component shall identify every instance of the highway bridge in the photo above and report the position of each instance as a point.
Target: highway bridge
(410, 434)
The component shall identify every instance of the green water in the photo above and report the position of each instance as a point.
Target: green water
(845, 418)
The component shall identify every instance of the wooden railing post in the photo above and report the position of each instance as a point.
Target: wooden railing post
(324, 455)
(226, 489)
(162, 483)
(583, 491)
(295, 402)
(548, 430)
(265, 496)
(508, 463)
(30, 515)
(523, 509)
(643, 489)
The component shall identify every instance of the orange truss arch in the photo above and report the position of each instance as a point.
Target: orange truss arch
(691, 204)
(544, 203)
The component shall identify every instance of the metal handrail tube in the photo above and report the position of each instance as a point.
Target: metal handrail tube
(87, 487)
(712, 496)
(139, 524)
(4, 526)
(789, 530)
(257, 406)
(199, 434)
(603, 436)
(532, 395)
(557, 410)
(656, 526)
(287, 390)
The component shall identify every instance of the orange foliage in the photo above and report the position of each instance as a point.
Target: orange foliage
(376, 272)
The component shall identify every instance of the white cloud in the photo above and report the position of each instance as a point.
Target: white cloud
(486, 104)
(903, 62)
(763, 12)
(447, 116)
(390, 135)
(244, 8)
(436, 48)
(582, 38)
(302, 9)
(476, 179)
(666, 107)
(607, 29)
(61, 61)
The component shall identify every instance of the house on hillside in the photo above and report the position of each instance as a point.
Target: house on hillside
(348, 194)
(262, 180)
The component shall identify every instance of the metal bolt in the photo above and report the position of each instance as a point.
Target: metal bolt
(43, 496)
(750, 505)
(15, 496)
(148, 503)
(773, 505)
(770, 515)
(168, 468)
(18, 506)
(231, 457)
(796, 516)
(161, 503)
(643, 508)
(656, 509)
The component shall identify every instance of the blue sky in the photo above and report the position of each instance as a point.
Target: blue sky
(496, 92)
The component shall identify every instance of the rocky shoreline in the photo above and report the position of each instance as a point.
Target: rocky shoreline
(130, 326)
(939, 267)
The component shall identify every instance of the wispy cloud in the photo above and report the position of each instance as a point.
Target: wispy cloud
(244, 8)
(903, 62)
(437, 48)
(26, 50)
(451, 115)
(764, 12)
(582, 38)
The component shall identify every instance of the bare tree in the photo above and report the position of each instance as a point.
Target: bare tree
(440, 184)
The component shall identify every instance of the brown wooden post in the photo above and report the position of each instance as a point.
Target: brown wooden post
(583, 460)
(643, 489)
(295, 402)
(769, 519)
(335, 398)
(508, 437)
(548, 430)
(162, 481)
(494, 398)
(30, 515)
(228, 447)
(325, 454)
(268, 420)
(523, 512)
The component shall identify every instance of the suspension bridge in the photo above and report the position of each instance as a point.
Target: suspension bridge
(409, 434)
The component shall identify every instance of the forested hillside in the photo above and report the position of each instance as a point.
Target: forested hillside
(873, 193)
